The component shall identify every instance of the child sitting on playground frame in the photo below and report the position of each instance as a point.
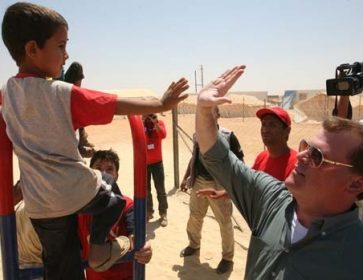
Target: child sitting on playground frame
(41, 116)
(30, 249)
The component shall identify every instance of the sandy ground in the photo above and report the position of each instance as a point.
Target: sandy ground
(168, 242)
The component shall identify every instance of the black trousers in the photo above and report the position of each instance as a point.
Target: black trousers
(59, 236)
(156, 170)
(61, 247)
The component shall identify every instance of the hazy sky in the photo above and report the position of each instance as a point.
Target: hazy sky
(286, 44)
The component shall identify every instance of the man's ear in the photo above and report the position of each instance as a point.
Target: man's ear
(31, 48)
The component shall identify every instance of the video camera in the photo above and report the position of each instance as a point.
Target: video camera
(348, 80)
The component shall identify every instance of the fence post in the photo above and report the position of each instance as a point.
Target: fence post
(175, 147)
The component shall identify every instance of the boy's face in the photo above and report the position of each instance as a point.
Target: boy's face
(78, 83)
(48, 61)
(106, 166)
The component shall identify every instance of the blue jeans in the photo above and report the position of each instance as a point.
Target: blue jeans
(156, 170)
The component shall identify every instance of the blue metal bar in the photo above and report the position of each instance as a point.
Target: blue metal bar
(140, 226)
(9, 250)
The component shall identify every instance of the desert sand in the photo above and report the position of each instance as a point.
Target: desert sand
(169, 241)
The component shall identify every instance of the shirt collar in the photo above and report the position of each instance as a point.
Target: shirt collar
(337, 222)
(26, 75)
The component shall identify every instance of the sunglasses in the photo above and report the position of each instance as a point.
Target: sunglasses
(316, 156)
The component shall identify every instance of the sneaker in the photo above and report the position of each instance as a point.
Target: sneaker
(117, 249)
(163, 220)
(188, 251)
(224, 266)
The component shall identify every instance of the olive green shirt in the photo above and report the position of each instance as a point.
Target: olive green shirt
(332, 248)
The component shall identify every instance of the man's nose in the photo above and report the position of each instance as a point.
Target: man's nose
(303, 157)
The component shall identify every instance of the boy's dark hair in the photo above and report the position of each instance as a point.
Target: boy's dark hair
(109, 155)
(24, 22)
(74, 73)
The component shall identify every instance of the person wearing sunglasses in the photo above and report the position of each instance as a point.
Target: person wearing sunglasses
(308, 226)
(344, 109)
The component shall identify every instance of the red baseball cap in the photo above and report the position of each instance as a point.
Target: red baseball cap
(277, 111)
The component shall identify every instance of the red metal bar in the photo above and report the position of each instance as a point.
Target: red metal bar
(139, 143)
(140, 192)
(6, 171)
(9, 249)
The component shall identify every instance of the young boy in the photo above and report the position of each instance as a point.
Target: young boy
(108, 161)
(41, 116)
(30, 249)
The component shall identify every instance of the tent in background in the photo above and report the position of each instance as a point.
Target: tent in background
(289, 99)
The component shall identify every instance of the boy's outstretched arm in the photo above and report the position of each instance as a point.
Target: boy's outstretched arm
(210, 96)
(139, 106)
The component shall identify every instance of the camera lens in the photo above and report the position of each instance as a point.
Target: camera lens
(344, 85)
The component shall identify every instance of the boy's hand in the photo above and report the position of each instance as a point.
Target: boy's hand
(173, 95)
(144, 255)
(213, 93)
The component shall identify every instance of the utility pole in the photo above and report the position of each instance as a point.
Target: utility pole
(196, 80)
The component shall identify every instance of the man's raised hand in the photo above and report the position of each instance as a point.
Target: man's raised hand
(214, 93)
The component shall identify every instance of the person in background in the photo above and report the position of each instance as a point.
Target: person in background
(279, 159)
(74, 75)
(155, 132)
(199, 179)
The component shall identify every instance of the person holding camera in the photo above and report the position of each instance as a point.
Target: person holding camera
(155, 132)
(348, 82)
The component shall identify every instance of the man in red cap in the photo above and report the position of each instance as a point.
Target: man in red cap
(278, 159)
